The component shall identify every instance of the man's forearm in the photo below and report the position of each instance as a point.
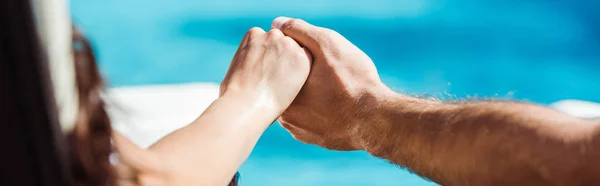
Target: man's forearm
(487, 143)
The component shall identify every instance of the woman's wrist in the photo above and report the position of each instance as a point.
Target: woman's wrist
(260, 106)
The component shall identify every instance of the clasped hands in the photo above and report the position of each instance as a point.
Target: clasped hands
(315, 82)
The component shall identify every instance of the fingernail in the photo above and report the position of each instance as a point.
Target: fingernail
(279, 21)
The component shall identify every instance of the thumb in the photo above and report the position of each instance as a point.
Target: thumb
(304, 33)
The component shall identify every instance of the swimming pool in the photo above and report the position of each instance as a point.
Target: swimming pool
(536, 51)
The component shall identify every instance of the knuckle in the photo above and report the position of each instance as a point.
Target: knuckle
(290, 24)
(254, 31)
(289, 42)
(253, 45)
(300, 54)
(274, 33)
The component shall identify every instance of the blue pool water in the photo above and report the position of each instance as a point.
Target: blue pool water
(539, 51)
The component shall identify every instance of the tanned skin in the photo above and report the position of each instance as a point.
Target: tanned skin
(345, 106)
(487, 143)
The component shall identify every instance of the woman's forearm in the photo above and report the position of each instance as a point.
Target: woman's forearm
(212, 148)
(265, 76)
(487, 143)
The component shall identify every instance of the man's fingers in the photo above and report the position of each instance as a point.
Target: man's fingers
(279, 21)
(301, 31)
(298, 133)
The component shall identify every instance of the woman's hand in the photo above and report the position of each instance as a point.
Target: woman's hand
(265, 76)
(269, 69)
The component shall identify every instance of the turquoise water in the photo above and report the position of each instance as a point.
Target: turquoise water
(539, 51)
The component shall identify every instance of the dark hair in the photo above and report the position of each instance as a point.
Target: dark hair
(90, 141)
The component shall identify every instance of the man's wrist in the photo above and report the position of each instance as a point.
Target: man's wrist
(370, 106)
(384, 116)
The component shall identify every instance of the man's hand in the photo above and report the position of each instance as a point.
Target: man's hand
(344, 106)
(342, 82)
(268, 68)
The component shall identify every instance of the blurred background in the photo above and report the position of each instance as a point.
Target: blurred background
(540, 51)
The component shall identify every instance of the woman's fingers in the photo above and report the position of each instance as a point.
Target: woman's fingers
(242, 43)
(254, 33)
(268, 61)
(251, 34)
(308, 55)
